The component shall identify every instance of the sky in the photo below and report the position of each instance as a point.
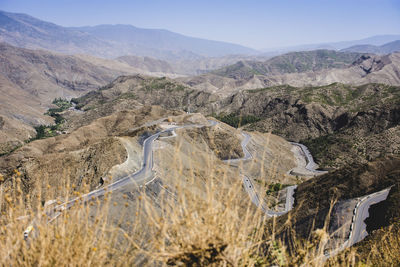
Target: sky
(259, 24)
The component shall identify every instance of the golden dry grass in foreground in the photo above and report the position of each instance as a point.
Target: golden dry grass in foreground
(217, 228)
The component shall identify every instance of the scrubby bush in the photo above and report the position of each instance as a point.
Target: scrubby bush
(237, 120)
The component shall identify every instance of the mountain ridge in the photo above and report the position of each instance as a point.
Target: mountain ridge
(386, 48)
(31, 79)
(164, 39)
(26, 31)
(367, 68)
(340, 123)
(372, 40)
(293, 62)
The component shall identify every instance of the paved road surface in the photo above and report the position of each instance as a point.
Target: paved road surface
(249, 186)
(359, 231)
(142, 176)
(311, 165)
(358, 227)
(137, 178)
(290, 197)
(247, 155)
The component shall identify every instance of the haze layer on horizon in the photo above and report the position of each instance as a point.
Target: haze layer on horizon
(258, 24)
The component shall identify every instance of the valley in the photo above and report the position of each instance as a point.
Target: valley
(127, 146)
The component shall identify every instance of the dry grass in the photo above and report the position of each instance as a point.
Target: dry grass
(216, 226)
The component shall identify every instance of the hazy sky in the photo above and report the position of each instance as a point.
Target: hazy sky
(254, 23)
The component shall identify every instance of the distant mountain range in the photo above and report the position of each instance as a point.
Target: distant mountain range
(112, 41)
(317, 68)
(377, 40)
(170, 44)
(293, 62)
(382, 49)
(109, 41)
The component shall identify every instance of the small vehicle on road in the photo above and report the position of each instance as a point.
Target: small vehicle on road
(27, 231)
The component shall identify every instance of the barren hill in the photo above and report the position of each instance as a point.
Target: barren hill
(103, 134)
(31, 79)
(295, 62)
(147, 63)
(340, 123)
(364, 69)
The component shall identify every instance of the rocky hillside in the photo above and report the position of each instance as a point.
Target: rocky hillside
(340, 123)
(147, 63)
(295, 62)
(31, 79)
(359, 124)
(340, 185)
(242, 76)
(315, 197)
(352, 128)
(145, 90)
(83, 156)
(198, 66)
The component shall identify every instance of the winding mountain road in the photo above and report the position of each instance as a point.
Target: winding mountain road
(311, 165)
(142, 176)
(361, 212)
(145, 175)
(247, 155)
(358, 228)
(249, 186)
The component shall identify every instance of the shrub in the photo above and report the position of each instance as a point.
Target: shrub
(237, 121)
(40, 131)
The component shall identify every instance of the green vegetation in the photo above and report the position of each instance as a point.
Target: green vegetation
(127, 95)
(62, 104)
(294, 62)
(40, 131)
(353, 98)
(272, 188)
(356, 98)
(312, 61)
(76, 101)
(334, 94)
(162, 83)
(11, 150)
(235, 120)
(325, 149)
(287, 67)
(278, 88)
(44, 131)
(80, 102)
